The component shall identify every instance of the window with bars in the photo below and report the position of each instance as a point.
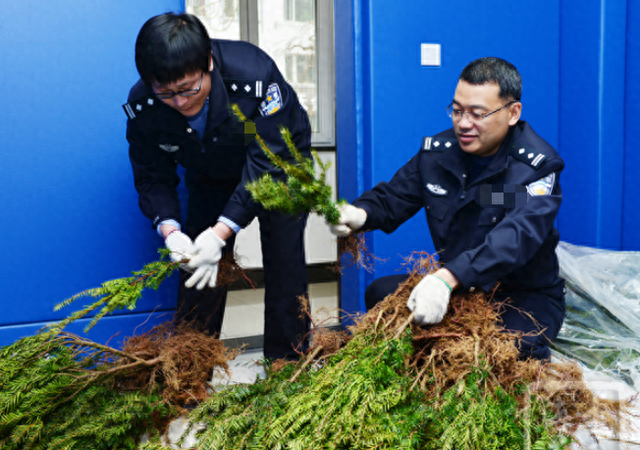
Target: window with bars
(297, 34)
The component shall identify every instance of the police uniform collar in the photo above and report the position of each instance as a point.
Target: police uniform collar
(154, 111)
(167, 120)
(454, 159)
(165, 117)
(218, 109)
(218, 100)
(500, 158)
(217, 62)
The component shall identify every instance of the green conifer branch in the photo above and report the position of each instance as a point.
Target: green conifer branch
(58, 390)
(117, 294)
(304, 190)
(56, 393)
(361, 397)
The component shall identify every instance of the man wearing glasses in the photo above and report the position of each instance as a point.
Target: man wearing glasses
(490, 190)
(179, 114)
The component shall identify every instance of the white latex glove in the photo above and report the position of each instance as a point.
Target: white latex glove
(429, 300)
(351, 219)
(204, 262)
(180, 245)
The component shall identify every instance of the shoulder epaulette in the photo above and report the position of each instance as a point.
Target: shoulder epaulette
(138, 106)
(531, 157)
(437, 144)
(244, 88)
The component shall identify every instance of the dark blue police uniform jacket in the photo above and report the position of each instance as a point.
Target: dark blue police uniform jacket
(217, 169)
(497, 228)
(160, 137)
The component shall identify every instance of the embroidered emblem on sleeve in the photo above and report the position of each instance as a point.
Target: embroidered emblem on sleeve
(543, 186)
(272, 102)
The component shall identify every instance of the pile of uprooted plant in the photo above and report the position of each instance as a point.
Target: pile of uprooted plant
(59, 390)
(383, 383)
(389, 384)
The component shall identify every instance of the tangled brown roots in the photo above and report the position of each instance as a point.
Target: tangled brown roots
(352, 250)
(185, 359)
(230, 271)
(472, 336)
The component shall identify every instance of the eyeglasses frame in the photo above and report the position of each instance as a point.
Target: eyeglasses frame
(482, 116)
(182, 93)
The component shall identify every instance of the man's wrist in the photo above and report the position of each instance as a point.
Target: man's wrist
(223, 231)
(230, 223)
(167, 229)
(448, 277)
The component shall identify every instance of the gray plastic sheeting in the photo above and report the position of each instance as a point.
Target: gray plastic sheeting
(602, 323)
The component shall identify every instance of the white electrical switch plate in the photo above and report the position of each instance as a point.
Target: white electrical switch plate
(430, 54)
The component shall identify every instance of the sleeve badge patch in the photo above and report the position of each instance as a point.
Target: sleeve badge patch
(543, 186)
(272, 101)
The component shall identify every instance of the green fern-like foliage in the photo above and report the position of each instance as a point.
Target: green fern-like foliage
(361, 398)
(304, 191)
(59, 391)
(471, 416)
(48, 401)
(117, 294)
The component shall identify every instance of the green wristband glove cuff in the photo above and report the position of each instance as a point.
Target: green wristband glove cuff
(445, 283)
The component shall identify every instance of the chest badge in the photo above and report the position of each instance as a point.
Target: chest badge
(436, 189)
(169, 148)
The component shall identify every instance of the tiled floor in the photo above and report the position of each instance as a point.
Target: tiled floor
(244, 313)
(245, 368)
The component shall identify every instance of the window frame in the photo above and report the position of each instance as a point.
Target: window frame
(325, 136)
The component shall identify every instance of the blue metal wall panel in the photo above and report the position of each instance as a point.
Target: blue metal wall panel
(593, 35)
(112, 329)
(69, 208)
(349, 130)
(405, 101)
(631, 198)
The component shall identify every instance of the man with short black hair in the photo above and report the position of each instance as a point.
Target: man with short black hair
(490, 189)
(179, 113)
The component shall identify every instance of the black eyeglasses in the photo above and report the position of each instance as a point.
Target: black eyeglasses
(456, 114)
(183, 93)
